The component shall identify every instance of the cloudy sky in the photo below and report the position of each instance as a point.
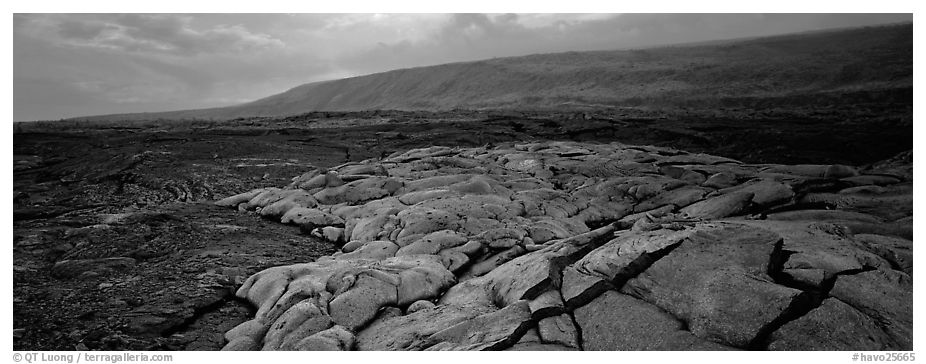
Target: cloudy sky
(68, 65)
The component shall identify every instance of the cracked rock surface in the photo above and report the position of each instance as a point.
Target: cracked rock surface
(579, 246)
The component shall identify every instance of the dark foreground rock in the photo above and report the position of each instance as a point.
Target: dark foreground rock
(87, 191)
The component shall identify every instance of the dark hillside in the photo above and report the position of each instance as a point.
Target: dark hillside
(810, 69)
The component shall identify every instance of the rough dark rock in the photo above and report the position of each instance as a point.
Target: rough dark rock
(68, 269)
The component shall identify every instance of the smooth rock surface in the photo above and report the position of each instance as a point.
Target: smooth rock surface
(648, 248)
(884, 295)
(834, 326)
(717, 282)
(495, 330)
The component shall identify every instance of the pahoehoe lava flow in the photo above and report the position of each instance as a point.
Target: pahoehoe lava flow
(490, 248)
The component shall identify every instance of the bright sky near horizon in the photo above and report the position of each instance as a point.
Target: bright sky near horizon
(68, 65)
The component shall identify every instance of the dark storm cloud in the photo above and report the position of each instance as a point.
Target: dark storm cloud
(78, 64)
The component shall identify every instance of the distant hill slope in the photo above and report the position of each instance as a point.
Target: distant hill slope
(789, 67)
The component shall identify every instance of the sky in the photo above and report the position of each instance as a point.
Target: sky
(68, 65)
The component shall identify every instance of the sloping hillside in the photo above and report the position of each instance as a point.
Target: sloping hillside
(798, 68)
